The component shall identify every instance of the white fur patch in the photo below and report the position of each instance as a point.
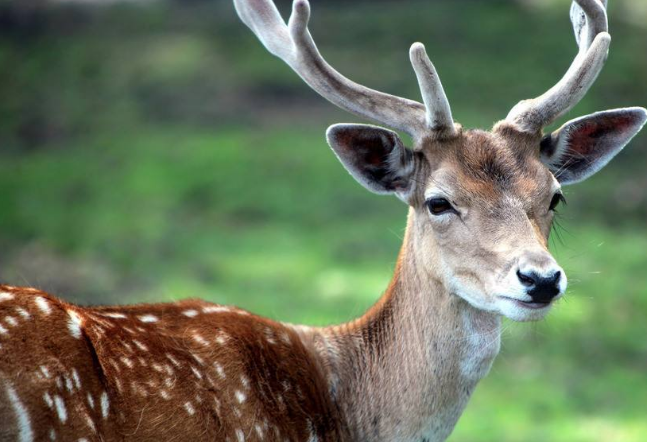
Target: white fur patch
(4, 296)
(25, 434)
(43, 305)
(105, 405)
(74, 324)
(115, 315)
(148, 318)
(240, 436)
(215, 309)
(188, 406)
(60, 408)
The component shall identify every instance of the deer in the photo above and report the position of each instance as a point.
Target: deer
(480, 208)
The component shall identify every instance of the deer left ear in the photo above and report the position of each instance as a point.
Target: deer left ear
(375, 157)
(585, 145)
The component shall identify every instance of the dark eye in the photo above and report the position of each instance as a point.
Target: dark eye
(557, 198)
(438, 206)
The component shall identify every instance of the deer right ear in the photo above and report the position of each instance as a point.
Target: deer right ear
(583, 146)
(374, 156)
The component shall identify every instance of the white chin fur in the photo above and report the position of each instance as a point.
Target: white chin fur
(512, 310)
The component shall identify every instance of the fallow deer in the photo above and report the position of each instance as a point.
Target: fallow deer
(480, 210)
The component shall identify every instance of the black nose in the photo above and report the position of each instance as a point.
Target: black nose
(540, 288)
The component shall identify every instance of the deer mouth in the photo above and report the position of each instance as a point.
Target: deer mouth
(528, 304)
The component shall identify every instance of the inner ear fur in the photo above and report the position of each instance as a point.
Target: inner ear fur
(585, 145)
(374, 156)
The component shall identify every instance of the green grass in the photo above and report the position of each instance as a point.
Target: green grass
(152, 154)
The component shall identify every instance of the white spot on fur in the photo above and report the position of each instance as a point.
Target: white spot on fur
(22, 312)
(105, 405)
(196, 372)
(240, 396)
(215, 309)
(77, 380)
(313, 436)
(43, 305)
(25, 432)
(90, 401)
(240, 436)
(45, 371)
(199, 339)
(173, 360)
(68, 384)
(148, 318)
(259, 431)
(140, 345)
(52, 434)
(219, 370)
(188, 406)
(11, 321)
(48, 399)
(165, 395)
(90, 422)
(127, 362)
(74, 324)
(269, 336)
(245, 381)
(60, 408)
(198, 359)
(190, 313)
(4, 296)
(222, 338)
(115, 315)
(3, 330)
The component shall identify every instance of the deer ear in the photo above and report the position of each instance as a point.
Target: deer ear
(374, 156)
(585, 145)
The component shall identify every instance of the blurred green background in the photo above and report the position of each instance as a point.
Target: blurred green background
(152, 151)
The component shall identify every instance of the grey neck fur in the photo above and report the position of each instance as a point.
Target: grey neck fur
(406, 369)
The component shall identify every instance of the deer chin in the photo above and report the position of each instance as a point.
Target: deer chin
(522, 310)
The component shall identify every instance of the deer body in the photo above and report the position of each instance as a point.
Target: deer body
(481, 205)
(404, 371)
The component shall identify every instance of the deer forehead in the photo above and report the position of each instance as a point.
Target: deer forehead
(487, 169)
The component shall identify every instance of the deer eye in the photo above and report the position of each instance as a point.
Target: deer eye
(438, 206)
(557, 198)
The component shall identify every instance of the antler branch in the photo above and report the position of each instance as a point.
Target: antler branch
(593, 40)
(294, 45)
(439, 114)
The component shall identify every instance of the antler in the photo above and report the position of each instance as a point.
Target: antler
(294, 45)
(590, 25)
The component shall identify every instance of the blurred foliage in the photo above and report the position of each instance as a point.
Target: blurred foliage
(156, 151)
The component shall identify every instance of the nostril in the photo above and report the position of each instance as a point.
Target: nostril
(525, 279)
(556, 277)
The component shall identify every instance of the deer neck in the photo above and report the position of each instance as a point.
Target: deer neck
(405, 370)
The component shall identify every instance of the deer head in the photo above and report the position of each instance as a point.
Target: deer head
(481, 203)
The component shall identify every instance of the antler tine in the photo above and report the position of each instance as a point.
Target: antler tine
(587, 26)
(439, 113)
(294, 45)
(534, 114)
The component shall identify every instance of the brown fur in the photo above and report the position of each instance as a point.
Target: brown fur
(238, 373)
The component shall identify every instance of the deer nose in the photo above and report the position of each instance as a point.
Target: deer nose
(541, 288)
